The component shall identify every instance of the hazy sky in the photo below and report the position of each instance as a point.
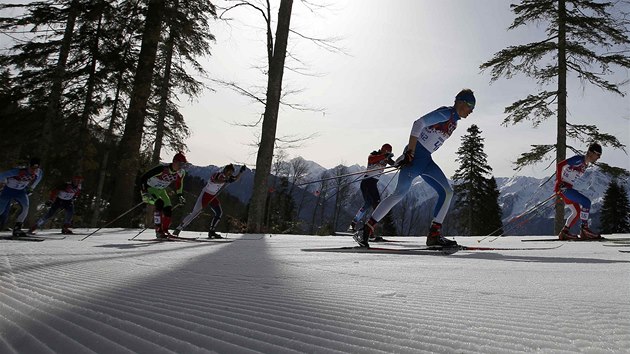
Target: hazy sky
(404, 58)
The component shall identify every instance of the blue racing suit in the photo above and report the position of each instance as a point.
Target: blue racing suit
(19, 183)
(431, 130)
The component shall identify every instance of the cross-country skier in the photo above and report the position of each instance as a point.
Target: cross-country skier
(377, 161)
(62, 197)
(153, 189)
(209, 195)
(428, 133)
(567, 172)
(20, 184)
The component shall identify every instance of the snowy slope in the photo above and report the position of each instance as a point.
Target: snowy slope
(263, 294)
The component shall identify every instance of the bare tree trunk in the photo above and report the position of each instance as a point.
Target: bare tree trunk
(561, 139)
(84, 133)
(164, 93)
(109, 136)
(270, 119)
(56, 90)
(132, 137)
(54, 99)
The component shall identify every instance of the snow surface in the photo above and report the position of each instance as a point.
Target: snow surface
(261, 293)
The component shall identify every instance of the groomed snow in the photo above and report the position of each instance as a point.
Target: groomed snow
(261, 293)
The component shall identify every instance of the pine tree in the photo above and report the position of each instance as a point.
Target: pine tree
(491, 210)
(615, 214)
(584, 37)
(476, 197)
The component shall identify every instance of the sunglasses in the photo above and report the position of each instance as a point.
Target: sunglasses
(470, 105)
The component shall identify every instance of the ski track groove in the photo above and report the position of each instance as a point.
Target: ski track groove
(228, 294)
(226, 318)
(134, 312)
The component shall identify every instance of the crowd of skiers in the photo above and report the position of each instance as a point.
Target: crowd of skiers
(20, 182)
(428, 133)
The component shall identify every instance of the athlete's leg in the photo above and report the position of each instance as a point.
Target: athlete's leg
(434, 177)
(580, 199)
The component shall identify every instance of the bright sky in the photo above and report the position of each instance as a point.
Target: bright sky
(404, 59)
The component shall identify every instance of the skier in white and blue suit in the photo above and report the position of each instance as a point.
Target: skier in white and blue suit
(428, 133)
(19, 184)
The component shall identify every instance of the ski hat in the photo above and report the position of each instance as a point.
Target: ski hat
(386, 147)
(77, 180)
(467, 96)
(595, 147)
(179, 157)
(228, 167)
(34, 161)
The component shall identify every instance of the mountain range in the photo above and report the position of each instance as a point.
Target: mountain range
(517, 195)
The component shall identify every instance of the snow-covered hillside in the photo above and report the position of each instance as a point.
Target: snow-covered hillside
(262, 294)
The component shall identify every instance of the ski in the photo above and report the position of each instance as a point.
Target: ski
(179, 238)
(343, 233)
(213, 240)
(47, 236)
(22, 238)
(481, 248)
(149, 239)
(616, 244)
(601, 239)
(624, 251)
(385, 250)
(423, 250)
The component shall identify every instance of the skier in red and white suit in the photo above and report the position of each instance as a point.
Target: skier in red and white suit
(209, 196)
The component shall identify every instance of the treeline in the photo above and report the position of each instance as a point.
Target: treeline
(83, 77)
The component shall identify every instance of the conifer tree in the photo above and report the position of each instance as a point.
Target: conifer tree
(491, 210)
(615, 215)
(476, 197)
(583, 37)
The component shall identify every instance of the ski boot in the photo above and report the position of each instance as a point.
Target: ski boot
(368, 231)
(588, 234)
(31, 230)
(566, 235)
(435, 237)
(353, 227)
(212, 234)
(66, 230)
(17, 230)
(160, 234)
(177, 231)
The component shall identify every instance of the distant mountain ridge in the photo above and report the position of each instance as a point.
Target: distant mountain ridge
(517, 194)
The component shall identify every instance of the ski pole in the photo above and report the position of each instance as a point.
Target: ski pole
(513, 227)
(347, 175)
(356, 180)
(111, 222)
(519, 216)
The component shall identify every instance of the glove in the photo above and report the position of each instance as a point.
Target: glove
(405, 159)
(28, 190)
(181, 199)
(560, 187)
(243, 168)
(49, 203)
(147, 197)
